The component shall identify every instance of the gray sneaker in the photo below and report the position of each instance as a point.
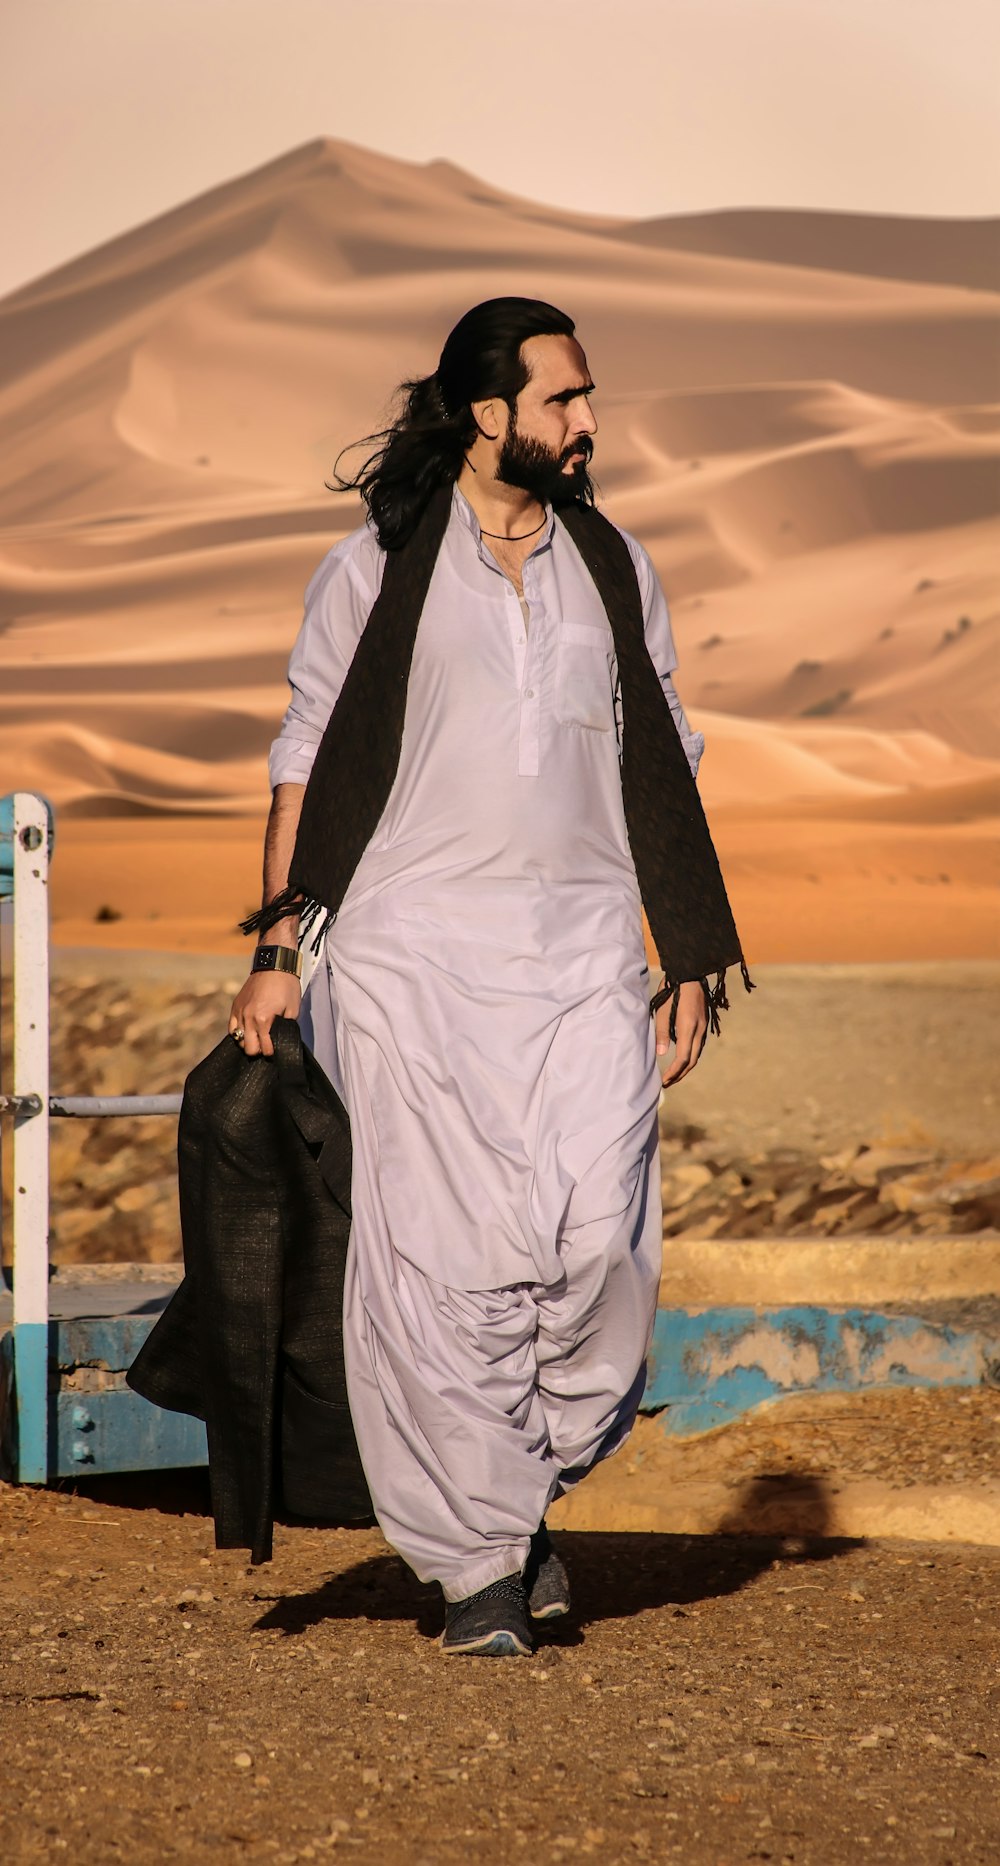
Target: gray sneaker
(545, 1579)
(493, 1623)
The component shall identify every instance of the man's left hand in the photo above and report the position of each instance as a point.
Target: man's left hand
(692, 1029)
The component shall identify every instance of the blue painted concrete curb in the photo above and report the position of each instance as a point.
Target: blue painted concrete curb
(706, 1368)
(82, 1428)
(710, 1366)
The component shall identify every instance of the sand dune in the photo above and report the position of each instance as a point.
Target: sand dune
(955, 252)
(798, 414)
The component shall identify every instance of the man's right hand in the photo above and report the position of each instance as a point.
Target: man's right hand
(265, 996)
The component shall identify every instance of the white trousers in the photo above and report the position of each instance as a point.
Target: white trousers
(474, 1408)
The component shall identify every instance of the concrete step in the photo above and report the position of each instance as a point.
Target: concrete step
(833, 1272)
(859, 1508)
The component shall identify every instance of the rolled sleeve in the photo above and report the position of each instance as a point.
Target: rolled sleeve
(693, 742)
(338, 602)
(660, 643)
(289, 760)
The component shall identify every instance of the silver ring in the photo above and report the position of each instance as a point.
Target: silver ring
(238, 1035)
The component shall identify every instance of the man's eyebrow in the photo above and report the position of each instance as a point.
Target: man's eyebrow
(570, 395)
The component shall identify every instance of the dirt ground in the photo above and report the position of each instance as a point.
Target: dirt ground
(902, 1435)
(903, 1462)
(716, 1699)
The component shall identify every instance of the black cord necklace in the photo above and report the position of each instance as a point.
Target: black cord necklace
(518, 537)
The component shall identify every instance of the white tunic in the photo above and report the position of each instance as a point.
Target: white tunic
(488, 999)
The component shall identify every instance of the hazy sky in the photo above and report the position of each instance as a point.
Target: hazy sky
(113, 110)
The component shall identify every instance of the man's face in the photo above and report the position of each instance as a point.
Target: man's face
(547, 449)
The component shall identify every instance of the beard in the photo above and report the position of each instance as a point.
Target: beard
(535, 468)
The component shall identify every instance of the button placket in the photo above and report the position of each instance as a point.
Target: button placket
(515, 623)
(530, 711)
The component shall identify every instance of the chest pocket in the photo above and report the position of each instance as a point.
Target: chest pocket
(584, 677)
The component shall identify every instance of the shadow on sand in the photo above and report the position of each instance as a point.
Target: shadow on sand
(615, 1574)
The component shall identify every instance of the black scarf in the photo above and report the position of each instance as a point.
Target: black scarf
(356, 762)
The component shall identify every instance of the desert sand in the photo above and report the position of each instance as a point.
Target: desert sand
(798, 416)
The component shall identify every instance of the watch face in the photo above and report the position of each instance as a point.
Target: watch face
(277, 959)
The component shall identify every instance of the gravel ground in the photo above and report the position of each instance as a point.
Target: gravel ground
(901, 1435)
(713, 1699)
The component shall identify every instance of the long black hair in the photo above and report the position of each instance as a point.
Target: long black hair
(425, 446)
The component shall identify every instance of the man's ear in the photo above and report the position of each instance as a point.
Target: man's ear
(484, 415)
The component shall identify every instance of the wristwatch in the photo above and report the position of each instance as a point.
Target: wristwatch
(277, 959)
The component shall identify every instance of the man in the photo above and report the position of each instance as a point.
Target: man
(482, 1002)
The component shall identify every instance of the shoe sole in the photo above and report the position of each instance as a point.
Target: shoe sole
(554, 1610)
(498, 1645)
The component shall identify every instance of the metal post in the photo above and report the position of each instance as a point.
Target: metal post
(31, 1133)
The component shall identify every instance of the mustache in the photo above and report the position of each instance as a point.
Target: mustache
(584, 446)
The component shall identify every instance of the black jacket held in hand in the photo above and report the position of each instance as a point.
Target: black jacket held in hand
(252, 1342)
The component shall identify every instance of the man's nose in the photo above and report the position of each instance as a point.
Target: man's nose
(587, 421)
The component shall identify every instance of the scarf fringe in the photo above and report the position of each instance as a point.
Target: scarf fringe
(291, 900)
(716, 998)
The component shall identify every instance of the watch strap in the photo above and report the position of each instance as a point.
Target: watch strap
(268, 958)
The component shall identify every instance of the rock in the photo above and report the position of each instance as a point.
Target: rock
(681, 1182)
(874, 1164)
(136, 1198)
(791, 1205)
(840, 1162)
(959, 1184)
(72, 1227)
(243, 1759)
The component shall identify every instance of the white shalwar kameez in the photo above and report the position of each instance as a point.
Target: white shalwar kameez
(483, 1010)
